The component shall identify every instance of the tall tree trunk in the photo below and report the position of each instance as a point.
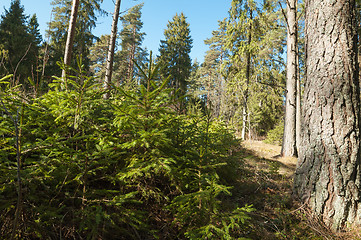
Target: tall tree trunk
(289, 134)
(248, 76)
(328, 174)
(298, 105)
(110, 57)
(71, 33)
(131, 59)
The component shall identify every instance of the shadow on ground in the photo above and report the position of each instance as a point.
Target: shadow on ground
(266, 183)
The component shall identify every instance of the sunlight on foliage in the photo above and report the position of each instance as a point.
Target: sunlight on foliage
(118, 168)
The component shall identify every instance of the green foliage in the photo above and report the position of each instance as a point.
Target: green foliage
(21, 39)
(125, 168)
(130, 39)
(88, 12)
(174, 52)
(98, 56)
(251, 53)
(275, 136)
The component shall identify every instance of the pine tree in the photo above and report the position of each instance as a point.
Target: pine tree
(327, 177)
(130, 38)
(174, 53)
(98, 56)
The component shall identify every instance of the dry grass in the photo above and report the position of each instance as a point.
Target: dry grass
(270, 153)
(268, 186)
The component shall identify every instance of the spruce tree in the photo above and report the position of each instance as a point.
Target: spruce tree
(17, 39)
(33, 29)
(209, 83)
(174, 53)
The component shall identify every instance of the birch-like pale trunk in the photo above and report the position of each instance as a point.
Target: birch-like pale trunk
(289, 147)
(70, 37)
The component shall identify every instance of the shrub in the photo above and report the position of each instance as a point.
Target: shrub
(123, 168)
(275, 136)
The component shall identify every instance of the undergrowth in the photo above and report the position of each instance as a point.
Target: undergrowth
(128, 167)
(74, 165)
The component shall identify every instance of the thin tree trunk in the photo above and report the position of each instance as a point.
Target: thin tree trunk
(110, 57)
(298, 106)
(328, 175)
(289, 135)
(70, 37)
(248, 75)
(131, 57)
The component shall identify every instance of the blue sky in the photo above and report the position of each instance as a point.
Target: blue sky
(202, 15)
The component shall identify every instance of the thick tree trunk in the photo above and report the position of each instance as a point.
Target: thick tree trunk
(289, 134)
(71, 33)
(110, 57)
(328, 173)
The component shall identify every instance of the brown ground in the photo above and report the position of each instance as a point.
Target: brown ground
(271, 153)
(268, 186)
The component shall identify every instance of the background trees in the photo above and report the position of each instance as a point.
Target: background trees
(21, 39)
(133, 164)
(130, 39)
(87, 16)
(174, 53)
(253, 41)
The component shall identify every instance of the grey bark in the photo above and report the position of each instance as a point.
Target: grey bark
(298, 106)
(71, 33)
(110, 57)
(289, 134)
(327, 177)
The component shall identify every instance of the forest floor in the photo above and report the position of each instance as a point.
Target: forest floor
(267, 185)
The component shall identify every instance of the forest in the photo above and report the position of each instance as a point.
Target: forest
(102, 139)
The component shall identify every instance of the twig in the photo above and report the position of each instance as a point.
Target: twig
(284, 15)
(18, 64)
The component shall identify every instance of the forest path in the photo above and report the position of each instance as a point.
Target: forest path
(267, 157)
(268, 187)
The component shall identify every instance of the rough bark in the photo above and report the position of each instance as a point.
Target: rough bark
(289, 134)
(71, 33)
(327, 177)
(110, 57)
